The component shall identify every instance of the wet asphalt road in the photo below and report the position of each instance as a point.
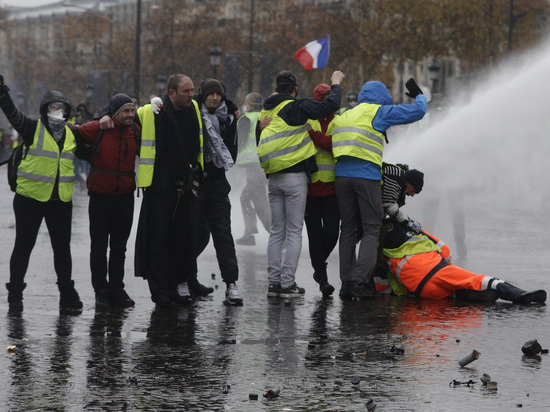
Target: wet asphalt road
(486, 165)
(320, 355)
(490, 161)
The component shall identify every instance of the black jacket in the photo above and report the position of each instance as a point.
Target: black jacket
(299, 112)
(177, 146)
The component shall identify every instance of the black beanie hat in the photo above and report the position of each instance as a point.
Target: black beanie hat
(118, 102)
(210, 86)
(416, 179)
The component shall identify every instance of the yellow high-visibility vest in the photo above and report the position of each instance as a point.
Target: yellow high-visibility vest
(248, 153)
(147, 151)
(325, 160)
(39, 168)
(281, 145)
(353, 134)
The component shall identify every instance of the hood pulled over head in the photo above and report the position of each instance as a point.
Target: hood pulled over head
(52, 96)
(375, 92)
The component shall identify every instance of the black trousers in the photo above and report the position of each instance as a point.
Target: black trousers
(29, 214)
(171, 225)
(215, 219)
(323, 226)
(111, 220)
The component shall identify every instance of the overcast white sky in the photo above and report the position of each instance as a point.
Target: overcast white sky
(26, 3)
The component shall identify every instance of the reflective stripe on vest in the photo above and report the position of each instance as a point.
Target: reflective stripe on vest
(281, 145)
(325, 161)
(147, 151)
(38, 170)
(417, 243)
(248, 154)
(353, 134)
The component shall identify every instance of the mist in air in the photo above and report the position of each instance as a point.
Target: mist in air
(490, 153)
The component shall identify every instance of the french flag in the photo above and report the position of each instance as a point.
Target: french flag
(314, 55)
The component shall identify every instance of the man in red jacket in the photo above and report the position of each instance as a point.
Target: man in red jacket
(111, 185)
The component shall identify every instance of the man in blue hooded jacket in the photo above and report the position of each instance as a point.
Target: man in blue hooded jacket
(358, 142)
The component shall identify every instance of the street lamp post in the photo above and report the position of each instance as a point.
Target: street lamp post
(161, 84)
(251, 48)
(433, 69)
(137, 62)
(215, 59)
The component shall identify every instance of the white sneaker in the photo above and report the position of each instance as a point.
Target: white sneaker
(183, 290)
(232, 296)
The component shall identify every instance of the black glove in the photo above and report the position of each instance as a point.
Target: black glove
(413, 88)
(3, 88)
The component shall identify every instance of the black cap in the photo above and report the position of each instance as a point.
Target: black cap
(118, 102)
(416, 179)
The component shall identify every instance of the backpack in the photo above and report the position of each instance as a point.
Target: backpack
(13, 164)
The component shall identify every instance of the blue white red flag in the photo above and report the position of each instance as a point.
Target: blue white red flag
(314, 55)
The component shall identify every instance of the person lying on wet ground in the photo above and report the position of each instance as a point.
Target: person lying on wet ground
(419, 263)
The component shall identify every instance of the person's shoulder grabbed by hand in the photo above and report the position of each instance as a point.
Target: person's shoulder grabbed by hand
(156, 104)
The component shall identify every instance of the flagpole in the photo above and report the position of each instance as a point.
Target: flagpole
(325, 68)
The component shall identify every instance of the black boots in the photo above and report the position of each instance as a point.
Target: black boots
(322, 279)
(509, 292)
(197, 289)
(69, 298)
(505, 291)
(535, 296)
(119, 298)
(487, 295)
(346, 290)
(15, 296)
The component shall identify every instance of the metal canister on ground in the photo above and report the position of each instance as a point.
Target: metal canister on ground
(531, 348)
(371, 405)
(485, 379)
(469, 358)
